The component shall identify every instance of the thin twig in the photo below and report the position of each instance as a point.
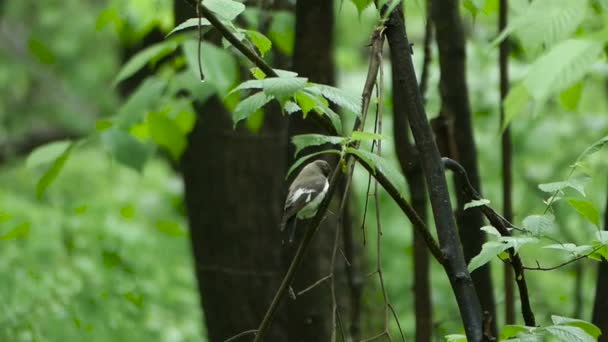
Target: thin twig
(539, 268)
(390, 306)
(241, 334)
(200, 39)
(315, 284)
(340, 324)
(373, 338)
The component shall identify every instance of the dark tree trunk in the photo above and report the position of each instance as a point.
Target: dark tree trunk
(234, 194)
(455, 105)
(600, 304)
(310, 315)
(410, 164)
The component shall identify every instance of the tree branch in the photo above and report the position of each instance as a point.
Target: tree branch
(455, 266)
(502, 226)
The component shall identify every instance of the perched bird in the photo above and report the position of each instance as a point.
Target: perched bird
(305, 194)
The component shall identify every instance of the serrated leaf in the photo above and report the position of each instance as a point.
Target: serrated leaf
(516, 242)
(303, 159)
(249, 105)
(140, 59)
(588, 327)
(586, 209)
(306, 140)
(169, 228)
(18, 232)
(255, 121)
(491, 230)
(46, 154)
(338, 96)
(571, 96)
(283, 87)
(260, 41)
(539, 224)
(192, 22)
(291, 107)
(455, 338)
(305, 101)
(38, 49)
(569, 333)
(361, 4)
(378, 163)
(571, 248)
(489, 251)
(126, 149)
(167, 134)
(227, 9)
(51, 174)
(545, 22)
(476, 203)
(553, 187)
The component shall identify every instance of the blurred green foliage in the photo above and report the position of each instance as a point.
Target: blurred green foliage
(104, 253)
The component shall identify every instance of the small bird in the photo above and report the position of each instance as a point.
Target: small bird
(305, 194)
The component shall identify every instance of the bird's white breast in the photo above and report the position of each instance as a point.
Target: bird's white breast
(311, 208)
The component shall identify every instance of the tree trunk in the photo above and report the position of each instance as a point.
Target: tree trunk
(455, 105)
(234, 195)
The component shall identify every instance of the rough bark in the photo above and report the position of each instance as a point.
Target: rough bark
(455, 266)
(455, 104)
(234, 194)
(600, 304)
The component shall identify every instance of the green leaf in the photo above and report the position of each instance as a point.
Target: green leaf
(192, 22)
(227, 9)
(44, 155)
(602, 236)
(509, 331)
(255, 121)
(281, 31)
(220, 67)
(4, 217)
(283, 87)
(291, 107)
(139, 60)
(306, 140)
(361, 4)
(359, 135)
(126, 149)
(491, 230)
(577, 184)
(185, 120)
(571, 248)
(588, 327)
(51, 174)
(338, 96)
(111, 259)
(260, 41)
(127, 211)
(105, 17)
(81, 210)
(489, 251)
(377, 163)
(545, 22)
(44, 55)
(586, 209)
(249, 105)
(596, 146)
(569, 333)
(306, 102)
(470, 6)
(570, 97)
(455, 338)
(303, 159)
(517, 100)
(539, 224)
(167, 134)
(516, 242)
(476, 203)
(144, 99)
(102, 125)
(169, 228)
(18, 232)
(135, 298)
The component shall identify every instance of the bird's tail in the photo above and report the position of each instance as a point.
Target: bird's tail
(290, 224)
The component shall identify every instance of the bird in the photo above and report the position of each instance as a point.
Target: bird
(305, 194)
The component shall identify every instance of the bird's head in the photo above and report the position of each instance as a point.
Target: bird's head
(321, 166)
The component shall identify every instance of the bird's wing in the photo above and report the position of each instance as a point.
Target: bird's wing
(298, 198)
